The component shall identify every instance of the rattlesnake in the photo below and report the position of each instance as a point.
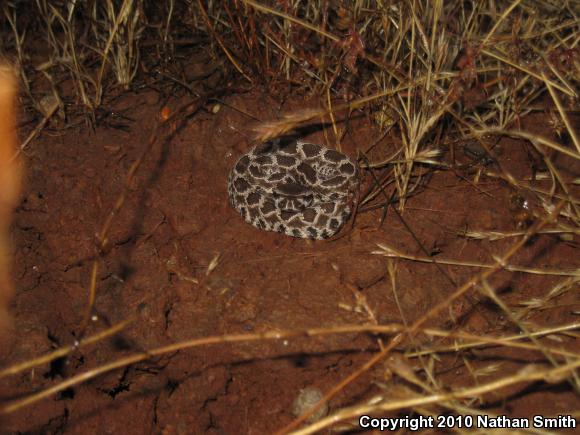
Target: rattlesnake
(293, 187)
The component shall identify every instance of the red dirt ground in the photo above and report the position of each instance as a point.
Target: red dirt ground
(177, 219)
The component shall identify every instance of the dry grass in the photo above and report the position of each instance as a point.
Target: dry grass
(431, 72)
(76, 36)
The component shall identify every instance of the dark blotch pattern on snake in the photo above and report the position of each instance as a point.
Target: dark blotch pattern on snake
(296, 188)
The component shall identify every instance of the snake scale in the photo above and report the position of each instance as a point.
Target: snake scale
(292, 187)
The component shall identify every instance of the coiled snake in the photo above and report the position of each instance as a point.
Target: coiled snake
(296, 188)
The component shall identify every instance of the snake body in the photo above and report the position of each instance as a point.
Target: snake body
(296, 188)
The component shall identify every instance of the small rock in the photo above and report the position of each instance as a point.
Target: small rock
(307, 398)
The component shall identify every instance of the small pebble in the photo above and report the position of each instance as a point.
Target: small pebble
(305, 400)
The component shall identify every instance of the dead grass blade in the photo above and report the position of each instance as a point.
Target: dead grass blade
(393, 253)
